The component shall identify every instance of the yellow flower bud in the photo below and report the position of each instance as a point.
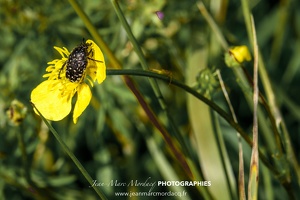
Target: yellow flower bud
(237, 55)
(240, 53)
(16, 112)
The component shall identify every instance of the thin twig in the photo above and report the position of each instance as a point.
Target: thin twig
(254, 164)
(241, 184)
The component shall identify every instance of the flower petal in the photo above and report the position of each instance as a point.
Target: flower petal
(62, 51)
(48, 99)
(101, 67)
(84, 96)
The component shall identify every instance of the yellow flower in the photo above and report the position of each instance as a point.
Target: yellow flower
(237, 55)
(74, 73)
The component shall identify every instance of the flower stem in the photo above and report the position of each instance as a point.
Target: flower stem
(241, 179)
(94, 32)
(254, 163)
(280, 131)
(24, 156)
(153, 82)
(116, 64)
(199, 96)
(32, 186)
(188, 89)
(72, 156)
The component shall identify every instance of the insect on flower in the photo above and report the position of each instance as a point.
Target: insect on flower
(73, 74)
(77, 62)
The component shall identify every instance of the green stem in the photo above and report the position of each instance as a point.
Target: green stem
(276, 114)
(152, 117)
(130, 35)
(24, 156)
(72, 156)
(199, 96)
(212, 24)
(264, 76)
(114, 61)
(188, 89)
(94, 32)
(153, 82)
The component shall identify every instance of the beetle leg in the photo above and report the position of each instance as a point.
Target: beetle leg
(61, 69)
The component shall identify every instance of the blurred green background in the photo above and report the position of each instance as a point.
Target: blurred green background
(114, 139)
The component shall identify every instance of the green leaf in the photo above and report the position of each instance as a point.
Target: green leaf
(202, 126)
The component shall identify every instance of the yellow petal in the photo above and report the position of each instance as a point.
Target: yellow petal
(62, 51)
(48, 99)
(84, 96)
(101, 67)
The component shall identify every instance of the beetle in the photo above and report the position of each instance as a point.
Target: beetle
(77, 62)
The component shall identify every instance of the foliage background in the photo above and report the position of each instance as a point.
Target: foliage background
(114, 139)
